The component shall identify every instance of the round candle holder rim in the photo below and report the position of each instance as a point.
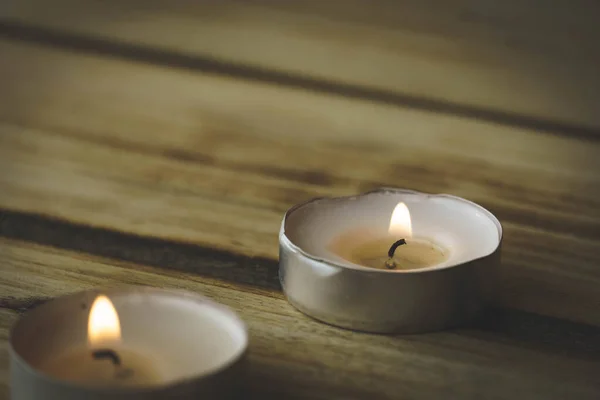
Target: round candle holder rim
(367, 270)
(238, 355)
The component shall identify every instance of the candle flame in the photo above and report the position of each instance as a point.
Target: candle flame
(400, 224)
(103, 323)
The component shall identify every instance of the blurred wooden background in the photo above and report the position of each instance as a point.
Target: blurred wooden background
(160, 142)
(529, 62)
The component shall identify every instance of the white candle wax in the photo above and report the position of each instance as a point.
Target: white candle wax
(79, 366)
(103, 362)
(417, 253)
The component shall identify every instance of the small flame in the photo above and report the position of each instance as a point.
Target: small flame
(103, 323)
(400, 224)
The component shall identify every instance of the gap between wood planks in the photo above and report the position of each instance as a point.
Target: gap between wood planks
(206, 64)
(256, 271)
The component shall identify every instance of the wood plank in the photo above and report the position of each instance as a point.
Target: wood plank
(213, 161)
(301, 358)
(257, 273)
(513, 57)
(261, 273)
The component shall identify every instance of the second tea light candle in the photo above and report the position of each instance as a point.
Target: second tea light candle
(134, 344)
(338, 265)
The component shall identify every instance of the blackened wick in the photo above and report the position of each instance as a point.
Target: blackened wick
(396, 244)
(107, 353)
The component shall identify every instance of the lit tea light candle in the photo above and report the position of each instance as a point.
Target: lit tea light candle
(140, 343)
(397, 250)
(104, 361)
(390, 260)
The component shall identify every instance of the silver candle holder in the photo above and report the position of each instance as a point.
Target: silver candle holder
(138, 343)
(321, 277)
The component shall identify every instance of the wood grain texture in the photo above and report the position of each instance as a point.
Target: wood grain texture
(508, 60)
(258, 275)
(115, 172)
(257, 272)
(292, 356)
(214, 161)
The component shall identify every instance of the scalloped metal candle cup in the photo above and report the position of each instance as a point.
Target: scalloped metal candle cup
(327, 287)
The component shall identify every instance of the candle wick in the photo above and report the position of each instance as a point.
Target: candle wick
(107, 353)
(396, 244)
(390, 263)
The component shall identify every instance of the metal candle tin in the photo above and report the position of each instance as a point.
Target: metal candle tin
(325, 286)
(197, 344)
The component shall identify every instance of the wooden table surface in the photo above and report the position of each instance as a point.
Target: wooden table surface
(159, 143)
